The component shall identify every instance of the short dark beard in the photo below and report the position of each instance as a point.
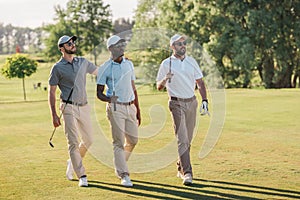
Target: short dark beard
(116, 55)
(69, 51)
(180, 53)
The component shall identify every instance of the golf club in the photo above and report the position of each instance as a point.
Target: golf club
(50, 140)
(170, 65)
(113, 85)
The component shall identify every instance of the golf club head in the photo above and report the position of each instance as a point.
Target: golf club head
(50, 143)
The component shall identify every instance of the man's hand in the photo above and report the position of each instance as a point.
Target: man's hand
(138, 117)
(168, 76)
(113, 99)
(56, 121)
(204, 107)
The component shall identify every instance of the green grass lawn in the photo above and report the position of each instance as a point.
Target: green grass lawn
(256, 157)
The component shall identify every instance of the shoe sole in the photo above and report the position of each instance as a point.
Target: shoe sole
(127, 185)
(187, 183)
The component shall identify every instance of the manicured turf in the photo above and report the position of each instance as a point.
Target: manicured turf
(256, 157)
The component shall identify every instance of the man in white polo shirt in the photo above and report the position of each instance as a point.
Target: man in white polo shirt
(179, 73)
(123, 111)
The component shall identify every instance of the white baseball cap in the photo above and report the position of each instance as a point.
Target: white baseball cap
(113, 40)
(64, 39)
(175, 38)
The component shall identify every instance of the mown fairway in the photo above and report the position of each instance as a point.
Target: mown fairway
(256, 157)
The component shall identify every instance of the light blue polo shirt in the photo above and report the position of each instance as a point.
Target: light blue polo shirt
(117, 77)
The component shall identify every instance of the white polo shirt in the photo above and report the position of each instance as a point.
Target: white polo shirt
(183, 82)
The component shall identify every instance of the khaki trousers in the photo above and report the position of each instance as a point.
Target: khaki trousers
(78, 130)
(124, 128)
(184, 120)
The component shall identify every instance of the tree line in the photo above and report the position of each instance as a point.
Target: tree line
(246, 39)
(250, 41)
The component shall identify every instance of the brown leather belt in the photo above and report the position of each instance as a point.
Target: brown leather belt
(182, 99)
(125, 103)
(74, 103)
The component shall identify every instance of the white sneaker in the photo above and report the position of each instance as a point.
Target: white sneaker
(187, 180)
(83, 182)
(125, 181)
(70, 171)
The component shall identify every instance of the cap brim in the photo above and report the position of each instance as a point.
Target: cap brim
(120, 40)
(74, 37)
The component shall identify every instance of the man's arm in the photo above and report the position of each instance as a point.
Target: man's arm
(161, 84)
(202, 88)
(136, 103)
(52, 102)
(95, 72)
(101, 95)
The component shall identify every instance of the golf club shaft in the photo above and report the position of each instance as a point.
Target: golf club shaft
(50, 140)
(170, 66)
(115, 106)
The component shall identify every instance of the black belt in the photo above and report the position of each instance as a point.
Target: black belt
(125, 103)
(182, 99)
(74, 103)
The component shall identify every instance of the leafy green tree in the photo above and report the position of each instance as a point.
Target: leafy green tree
(244, 38)
(90, 20)
(19, 66)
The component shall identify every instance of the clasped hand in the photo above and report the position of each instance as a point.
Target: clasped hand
(168, 76)
(113, 99)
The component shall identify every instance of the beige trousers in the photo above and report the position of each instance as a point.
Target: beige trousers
(78, 130)
(184, 120)
(124, 128)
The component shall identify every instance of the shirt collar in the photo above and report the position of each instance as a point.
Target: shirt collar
(123, 60)
(64, 61)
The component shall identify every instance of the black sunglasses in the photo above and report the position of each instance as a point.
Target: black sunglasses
(70, 43)
(120, 44)
(180, 43)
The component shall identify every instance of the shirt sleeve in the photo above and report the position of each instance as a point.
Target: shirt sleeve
(102, 73)
(54, 76)
(132, 70)
(91, 67)
(197, 71)
(162, 71)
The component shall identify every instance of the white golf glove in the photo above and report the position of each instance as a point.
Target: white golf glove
(204, 108)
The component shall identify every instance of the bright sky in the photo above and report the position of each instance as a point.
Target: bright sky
(33, 13)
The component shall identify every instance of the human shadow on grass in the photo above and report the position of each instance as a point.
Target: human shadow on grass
(142, 189)
(268, 191)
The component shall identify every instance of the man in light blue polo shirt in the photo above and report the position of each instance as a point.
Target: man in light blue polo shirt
(123, 111)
